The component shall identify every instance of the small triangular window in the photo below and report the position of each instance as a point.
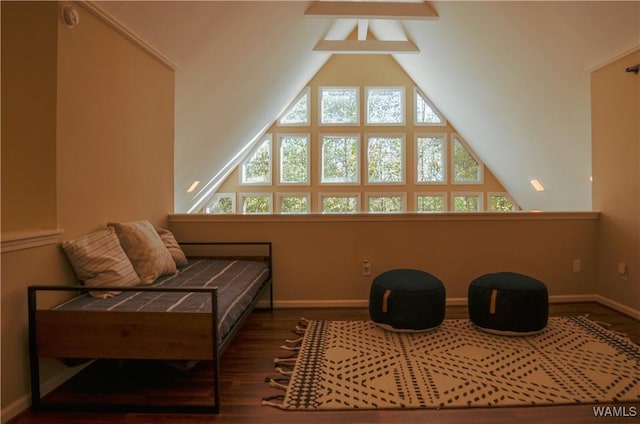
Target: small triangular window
(426, 113)
(298, 111)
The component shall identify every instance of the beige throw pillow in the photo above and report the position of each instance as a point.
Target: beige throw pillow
(172, 245)
(98, 260)
(146, 251)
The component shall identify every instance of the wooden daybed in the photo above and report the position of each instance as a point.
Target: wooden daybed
(194, 316)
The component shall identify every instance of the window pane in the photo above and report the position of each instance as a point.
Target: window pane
(339, 105)
(500, 203)
(257, 169)
(388, 204)
(385, 160)
(294, 204)
(221, 204)
(340, 159)
(425, 113)
(466, 203)
(294, 159)
(431, 159)
(385, 106)
(339, 204)
(430, 204)
(465, 167)
(256, 204)
(298, 114)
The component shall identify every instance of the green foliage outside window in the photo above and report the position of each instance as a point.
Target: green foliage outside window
(294, 156)
(385, 159)
(466, 204)
(385, 204)
(424, 113)
(385, 106)
(222, 205)
(339, 204)
(340, 154)
(256, 204)
(339, 159)
(339, 106)
(465, 167)
(298, 114)
(294, 204)
(430, 204)
(257, 169)
(430, 159)
(500, 203)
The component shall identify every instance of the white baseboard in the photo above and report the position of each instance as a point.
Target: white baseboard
(453, 301)
(22, 404)
(347, 303)
(623, 309)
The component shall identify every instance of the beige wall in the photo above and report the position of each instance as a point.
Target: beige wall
(111, 145)
(29, 126)
(318, 259)
(115, 130)
(615, 98)
(362, 71)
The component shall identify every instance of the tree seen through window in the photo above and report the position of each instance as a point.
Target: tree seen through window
(339, 105)
(340, 204)
(294, 158)
(465, 167)
(430, 159)
(340, 159)
(385, 106)
(427, 203)
(385, 159)
(257, 169)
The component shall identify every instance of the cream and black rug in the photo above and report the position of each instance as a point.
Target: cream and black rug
(357, 365)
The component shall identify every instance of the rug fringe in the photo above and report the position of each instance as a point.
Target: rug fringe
(282, 371)
(285, 365)
(278, 383)
(301, 326)
(268, 401)
(303, 322)
(292, 344)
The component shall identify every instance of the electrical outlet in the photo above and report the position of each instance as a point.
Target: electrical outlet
(576, 265)
(366, 268)
(622, 271)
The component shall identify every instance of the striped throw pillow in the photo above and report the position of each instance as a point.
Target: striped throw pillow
(98, 260)
(173, 246)
(145, 249)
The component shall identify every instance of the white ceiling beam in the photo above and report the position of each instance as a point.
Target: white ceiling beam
(363, 29)
(365, 47)
(371, 10)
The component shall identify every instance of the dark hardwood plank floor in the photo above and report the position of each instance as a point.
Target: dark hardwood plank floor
(249, 360)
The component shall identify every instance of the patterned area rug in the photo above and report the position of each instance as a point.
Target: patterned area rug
(357, 365)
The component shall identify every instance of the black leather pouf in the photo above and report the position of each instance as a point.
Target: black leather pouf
(407, 300)
(508, 303)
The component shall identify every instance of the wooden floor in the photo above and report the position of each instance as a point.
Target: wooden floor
(249, 360)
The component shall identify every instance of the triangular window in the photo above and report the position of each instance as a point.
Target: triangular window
(426, 113)
(466, 168)
(257, 168)
(298, 112)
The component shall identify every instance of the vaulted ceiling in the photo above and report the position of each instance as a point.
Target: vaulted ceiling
(512, 77)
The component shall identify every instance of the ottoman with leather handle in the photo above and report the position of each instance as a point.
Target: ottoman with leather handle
(407, 300)
(508, 303)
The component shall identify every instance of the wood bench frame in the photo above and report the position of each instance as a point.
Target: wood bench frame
(134, 335)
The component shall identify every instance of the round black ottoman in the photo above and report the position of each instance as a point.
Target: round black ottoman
(508, 303)
(407, 300)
